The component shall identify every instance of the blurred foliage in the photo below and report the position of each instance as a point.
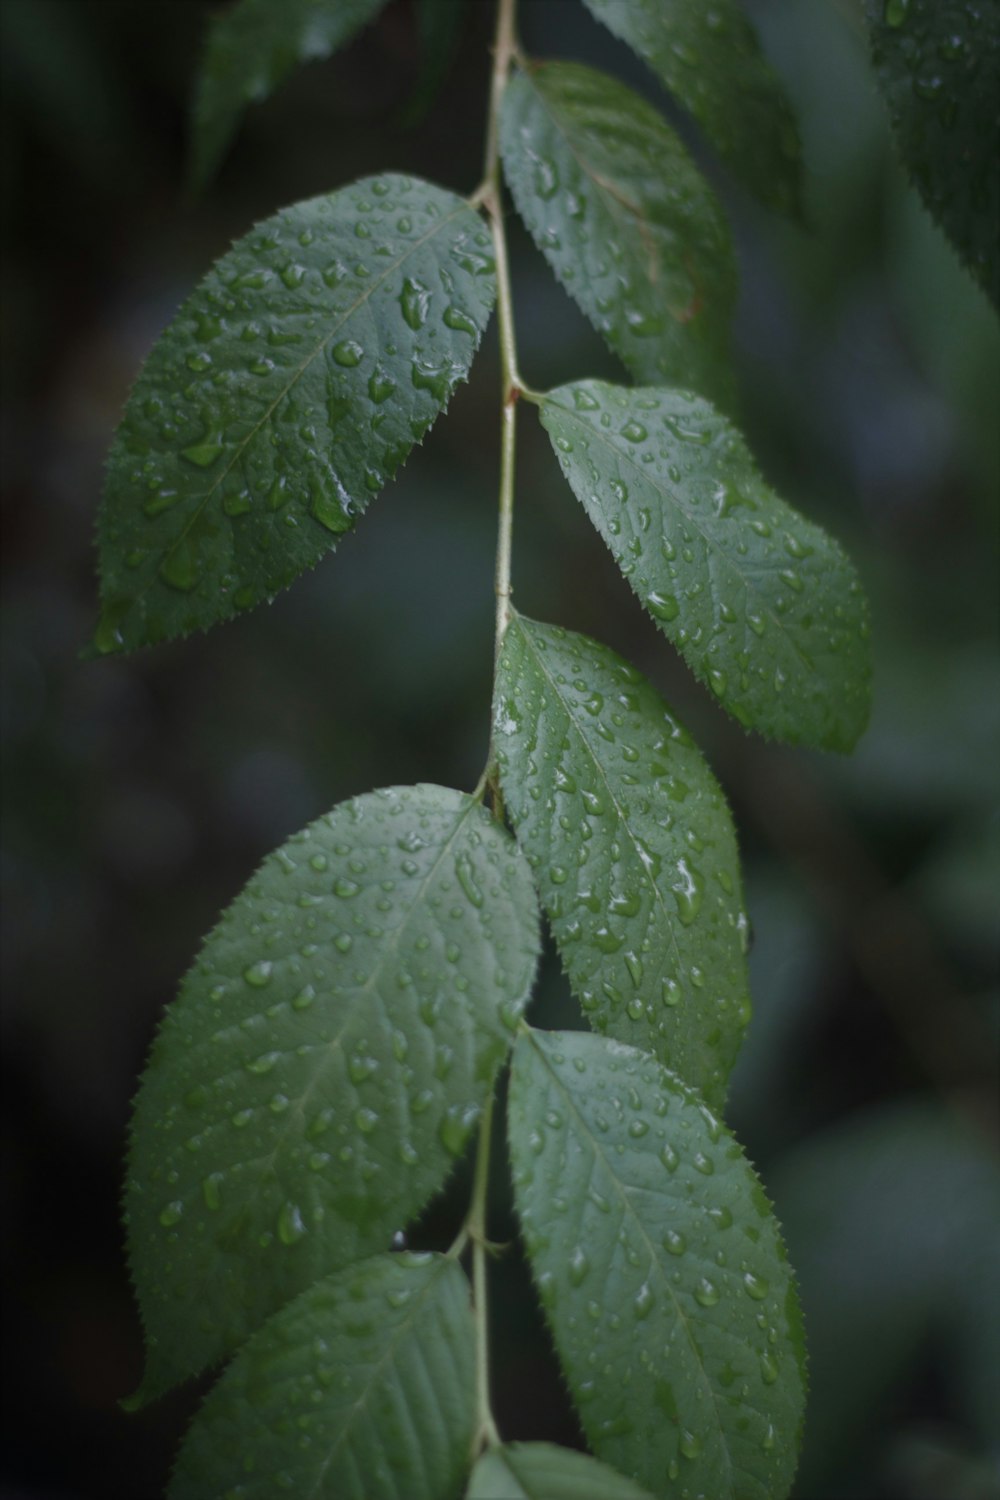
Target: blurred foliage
(140, 793)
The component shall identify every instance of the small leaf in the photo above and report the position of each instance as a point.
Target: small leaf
(541, 1471)
(632, 848)
(626, 221)
(938, 66)
(286, 392)
(764, 607)
(661, 1270)
(251, 48)
(362, 1388)
(709, 57)
(324, 1063)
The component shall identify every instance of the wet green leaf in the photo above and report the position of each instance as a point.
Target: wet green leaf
(938, 66)
(541, 1471)
(632, 848)
(660, 1268)
(764, 607)
(324, 1063)
(251, 48)
(287, 391)
(710, 59)
(626, 221)
(362, 1388)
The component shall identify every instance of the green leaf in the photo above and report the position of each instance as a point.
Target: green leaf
(764, 607)
(710, 59)
(661, 1270)
(632, 848)
(251, 48)
(938, 66)
(362, 1388)
(439, 24)
(541, 1471)
(626, 221)
(284, 395)
(324, 1063)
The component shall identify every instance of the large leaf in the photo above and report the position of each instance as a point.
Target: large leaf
(938, 65)
(764, 607)
(362, 1388)
(541, 1471)
(324, 1063)
(709, 57)
(661, 1271)
(626, 221)
(284, 395)
(632, 848)
(251, 48)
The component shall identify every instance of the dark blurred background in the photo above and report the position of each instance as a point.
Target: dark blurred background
(140, 794)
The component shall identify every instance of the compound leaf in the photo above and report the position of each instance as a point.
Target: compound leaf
(286, 393)
(324, 1063)
(626, 221)
(938, 66)
(710, 59)
(362, 1388)
(250, 49)
(764, 607)
(541, 1471)
(661, 1270)
(632, 849)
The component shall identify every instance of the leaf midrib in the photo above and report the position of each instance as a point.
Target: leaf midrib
(628, 1209)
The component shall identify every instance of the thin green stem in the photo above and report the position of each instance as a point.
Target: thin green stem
(486, 1427)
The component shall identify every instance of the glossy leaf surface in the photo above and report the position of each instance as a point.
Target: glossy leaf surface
(709, 58)
(661, 1270)
(632, 848)
(251, 48)
(541, 1471)
(626, 221)
(362, 1388)
(324, 1063)
(938, 66)
(763, 605)
(286, 392)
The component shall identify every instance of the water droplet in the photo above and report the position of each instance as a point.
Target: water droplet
(467, 880)
(704, 1164)
(172, 1213)
(670, 1158)
(579, 1265)
(755, 1286)
(670, 991)
(291, 1226)
(204, 454)
(459, 320)
(690, 1444)
(663, 606)
(674, 1242)
(259, 974)
(642, 1302)
(689, 890)
(895, 12)
(264, 1063)
(210, 1190)
(635, 432)
(456, 1126)
(546, 179)
(415, 300)
(345, 888)
(706, 1293)
(348, 353)
(768, 1368)
(179, 567)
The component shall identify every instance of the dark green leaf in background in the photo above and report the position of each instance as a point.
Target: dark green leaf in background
(632, 848)
(938, 66)
(541, 1471)
(287, 391)
(709, 57)
(324, 1063)
(251, 48)
(362, 1388)
(661, 1270)
(764, 607)
(439, 24)
(626, 221)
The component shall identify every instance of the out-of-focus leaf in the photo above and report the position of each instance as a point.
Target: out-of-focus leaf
(251, 48)
(541, 1471)
(938, 66)
(709, 57)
